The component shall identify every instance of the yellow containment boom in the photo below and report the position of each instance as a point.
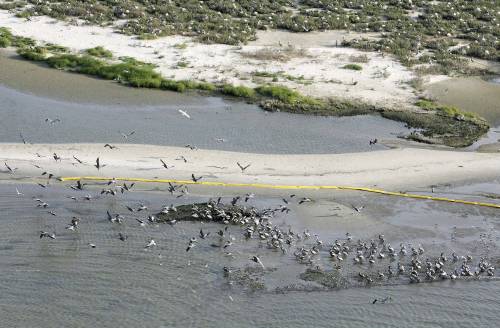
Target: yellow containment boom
(288, 187)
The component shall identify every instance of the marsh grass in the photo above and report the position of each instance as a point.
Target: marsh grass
(238, 91)
(450, 111)
(100, 52)
(359, 58)
(354, 67)
(282, 54)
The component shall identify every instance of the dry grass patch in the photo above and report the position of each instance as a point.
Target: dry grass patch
(282, 54)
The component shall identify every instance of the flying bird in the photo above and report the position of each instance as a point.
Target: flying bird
(77, 159)
(183, 113)
(79, 185)
(195, 179)
(52, 121)
(165, 165)
(305, 200)
(11, 170)
(47, 235)
(98, 164)
(150, 244)
(126, 135)
(243, 168)
(22, 138)
(110, 146)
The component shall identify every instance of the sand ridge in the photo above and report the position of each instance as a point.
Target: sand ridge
(394, 169)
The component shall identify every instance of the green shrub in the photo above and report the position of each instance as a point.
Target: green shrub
(206, 86)
(354, 67)
(56, 48)
(238, 91)
(5, 42)
(173, 85)
(99, 52)
(33, 53)
(282, 93)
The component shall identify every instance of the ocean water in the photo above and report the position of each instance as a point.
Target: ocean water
(66, 283)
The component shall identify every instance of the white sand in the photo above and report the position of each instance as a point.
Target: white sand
(382, 80)
(396, 169)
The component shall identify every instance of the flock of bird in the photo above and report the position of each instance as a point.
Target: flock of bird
(375, 260)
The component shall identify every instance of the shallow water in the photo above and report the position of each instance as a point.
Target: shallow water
(471, 94)
(64, 282)
(243, 127)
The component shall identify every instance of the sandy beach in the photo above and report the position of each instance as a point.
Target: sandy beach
(315, 69)
(396, 169)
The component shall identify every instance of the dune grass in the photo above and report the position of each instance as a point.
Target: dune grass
(99, 52)
(354, 67)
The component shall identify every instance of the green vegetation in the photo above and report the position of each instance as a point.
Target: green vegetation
(275, 77)
(181, 45)
(286, 95)
(56, 48)
(99, 52)
(182, 64)
(33, 53)
(445, 110)
(4, 42)
(354, 67)
(417, 32)
(238, 91)
(15, 41)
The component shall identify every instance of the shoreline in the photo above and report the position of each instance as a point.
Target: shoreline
(150, 65)
(395, 169)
